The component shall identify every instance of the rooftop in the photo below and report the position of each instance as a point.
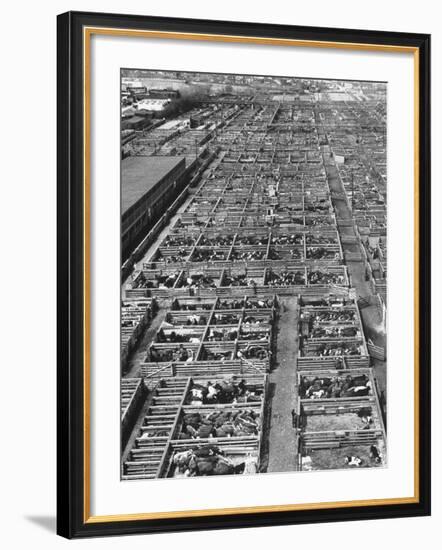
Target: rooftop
(140, 175)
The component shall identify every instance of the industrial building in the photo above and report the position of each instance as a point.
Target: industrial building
(251, 310)
(149, 183)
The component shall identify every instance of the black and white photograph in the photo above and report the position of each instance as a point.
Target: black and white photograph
(253, 274)
(196, 230)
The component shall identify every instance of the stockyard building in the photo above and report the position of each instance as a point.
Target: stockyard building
(254, 282)
(149, 185)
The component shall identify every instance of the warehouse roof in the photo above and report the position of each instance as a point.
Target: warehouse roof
(140, 174)
(136, 118)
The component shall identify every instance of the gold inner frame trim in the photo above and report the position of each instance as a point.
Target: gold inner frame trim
(87, 34)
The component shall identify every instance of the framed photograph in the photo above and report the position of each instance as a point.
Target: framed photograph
(243, 224)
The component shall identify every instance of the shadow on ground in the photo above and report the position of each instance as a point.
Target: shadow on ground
(48, 523)
(264, 462)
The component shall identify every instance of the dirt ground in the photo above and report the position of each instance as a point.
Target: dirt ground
(282, 448)
(327, 459)
(330, 422)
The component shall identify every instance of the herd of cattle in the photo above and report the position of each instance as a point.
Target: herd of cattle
(260, 227)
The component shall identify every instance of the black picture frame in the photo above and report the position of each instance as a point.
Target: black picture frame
(71, 519)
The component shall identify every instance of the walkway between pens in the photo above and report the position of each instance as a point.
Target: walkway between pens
(139, 354)
(371, 317)
(282, 448)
